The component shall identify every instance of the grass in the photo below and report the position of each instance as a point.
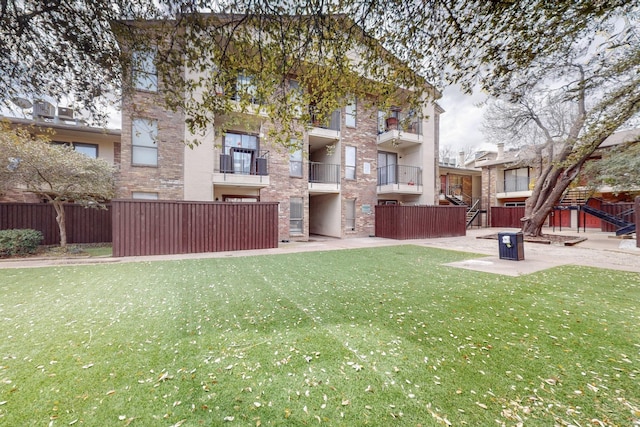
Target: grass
(386, 336)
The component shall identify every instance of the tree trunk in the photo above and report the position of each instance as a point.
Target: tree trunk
(60, 219)
(543, 200)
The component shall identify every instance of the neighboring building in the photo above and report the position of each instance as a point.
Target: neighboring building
(330, 187)
(63, 128)
(461, 184)
(508, 179)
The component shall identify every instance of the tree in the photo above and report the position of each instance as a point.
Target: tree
(57, 48)
(618, 168)
(63, 49)
(56, 173)
(566, 106)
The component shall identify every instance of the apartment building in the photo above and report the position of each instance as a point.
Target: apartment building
(345, 166)
(61, 126)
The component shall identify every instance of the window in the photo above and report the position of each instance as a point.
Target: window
(89, 150)
(516, 180)
(144, 150)
(295, 161)
(350, 113)
(350, 162)
(296, 215)
(246, 89)
(143, 195)
(240, 152)
(241, 199)
(145, 74)
(296, 98)
(350, 214)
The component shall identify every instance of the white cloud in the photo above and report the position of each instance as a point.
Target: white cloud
(461, 124)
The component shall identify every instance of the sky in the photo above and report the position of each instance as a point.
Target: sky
(461, 123)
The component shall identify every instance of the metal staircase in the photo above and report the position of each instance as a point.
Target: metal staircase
(624, 226)
(575, 198)
(454, 200)
(473, 212)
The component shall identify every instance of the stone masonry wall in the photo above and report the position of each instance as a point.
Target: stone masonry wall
(167, 178)
(364, 188)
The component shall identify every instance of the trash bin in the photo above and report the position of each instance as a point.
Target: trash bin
(511, 246)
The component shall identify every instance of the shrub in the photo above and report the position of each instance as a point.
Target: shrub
(19, 241)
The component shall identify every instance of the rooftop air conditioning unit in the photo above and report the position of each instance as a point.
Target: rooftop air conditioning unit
(43, 109)
(65, 113)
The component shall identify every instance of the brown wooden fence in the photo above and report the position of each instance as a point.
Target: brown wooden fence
(177, 227)
(84, 225)
(637, 221)
(615, 209)
(420, 222)
(507, 216)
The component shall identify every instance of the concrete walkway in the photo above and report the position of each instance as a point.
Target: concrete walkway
(601, 250)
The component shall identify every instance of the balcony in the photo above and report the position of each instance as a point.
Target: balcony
(241, 167)
(324, 133)
(324, 178)
(399, 131)
(514, 187)
(399, 179)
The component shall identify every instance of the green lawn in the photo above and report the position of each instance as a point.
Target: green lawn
(385, 336)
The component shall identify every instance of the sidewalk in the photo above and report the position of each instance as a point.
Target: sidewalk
(601, 250)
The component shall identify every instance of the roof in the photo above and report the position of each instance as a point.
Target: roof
(620, 137)
(61, 126)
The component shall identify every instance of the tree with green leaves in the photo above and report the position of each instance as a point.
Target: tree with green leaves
(619, 166)
(53, 172)
(566, 104)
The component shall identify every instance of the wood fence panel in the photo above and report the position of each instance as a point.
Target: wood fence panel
(419, 222)
(615, 209)
(83, 225)
(150, 227)
(637, 221)
(502, 216)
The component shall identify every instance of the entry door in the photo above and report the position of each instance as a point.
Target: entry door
(387, 165)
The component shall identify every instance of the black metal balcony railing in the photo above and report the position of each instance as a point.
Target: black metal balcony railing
(400, 121)
(333, 123)
(324, 173)
(244, 161)
(400, 174)
(514, 184)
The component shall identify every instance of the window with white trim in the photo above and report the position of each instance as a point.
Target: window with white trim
(350, 214)
(350, 162)
(144, 147)
(296, 215)
(295, 160)
(350, 113)
(145, 74)
(144, 195)
(89, 150)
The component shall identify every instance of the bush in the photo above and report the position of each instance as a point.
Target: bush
(19, 242)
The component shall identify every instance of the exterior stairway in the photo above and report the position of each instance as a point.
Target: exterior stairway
(624, 226)
(473, 212)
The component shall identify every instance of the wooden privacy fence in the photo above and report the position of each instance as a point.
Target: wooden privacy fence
(616, 209)
(145, 227)
(507, 216)
(637, 208)
(84, 225)
(420, 222)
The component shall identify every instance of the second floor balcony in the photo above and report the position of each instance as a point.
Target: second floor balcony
(324, 132)
(399, 179)
(241, 167)
(324, 178)
(514, 187)
(399, 130)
